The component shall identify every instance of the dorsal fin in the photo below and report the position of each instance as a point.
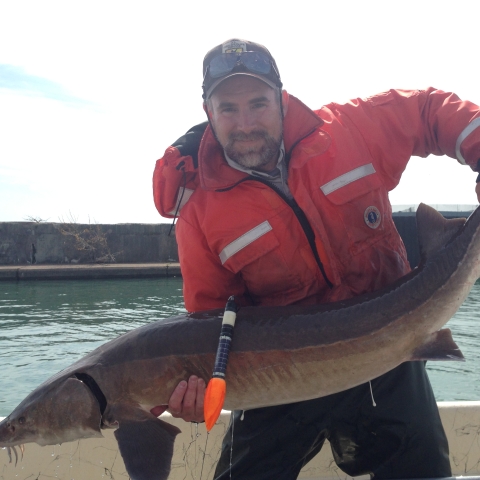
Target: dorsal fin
(434, 230)
(439, 346)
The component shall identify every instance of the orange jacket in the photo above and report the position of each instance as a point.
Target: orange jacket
(237, 236)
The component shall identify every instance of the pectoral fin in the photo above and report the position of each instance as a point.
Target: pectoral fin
(146, 447)
(440, 346)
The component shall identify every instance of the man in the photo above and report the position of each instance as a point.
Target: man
(279, 204)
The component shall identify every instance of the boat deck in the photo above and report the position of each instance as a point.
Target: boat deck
(99, 458)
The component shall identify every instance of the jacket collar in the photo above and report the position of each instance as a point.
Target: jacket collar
(214, 171)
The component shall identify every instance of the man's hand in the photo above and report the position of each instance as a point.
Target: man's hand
(187, 400)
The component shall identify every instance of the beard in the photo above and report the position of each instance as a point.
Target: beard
(254, 157)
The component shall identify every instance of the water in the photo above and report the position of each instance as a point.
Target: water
(461, 380)
(47, 325)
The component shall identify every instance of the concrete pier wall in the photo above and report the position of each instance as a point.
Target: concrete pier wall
(58, 243)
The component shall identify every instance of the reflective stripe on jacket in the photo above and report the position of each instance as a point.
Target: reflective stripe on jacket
(238, 236)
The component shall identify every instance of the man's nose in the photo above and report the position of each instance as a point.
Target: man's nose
(246, 121)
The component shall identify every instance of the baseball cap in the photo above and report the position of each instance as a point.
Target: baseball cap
(238, 57)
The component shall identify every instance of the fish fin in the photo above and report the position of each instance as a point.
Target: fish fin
(440, 346)
(434, 230)
(146, 447)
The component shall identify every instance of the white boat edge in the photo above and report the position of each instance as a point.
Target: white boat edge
(99, 458)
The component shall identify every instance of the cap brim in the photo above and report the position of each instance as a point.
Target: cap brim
(248, 74)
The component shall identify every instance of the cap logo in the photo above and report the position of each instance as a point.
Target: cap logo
(372, 217)
(234, 46)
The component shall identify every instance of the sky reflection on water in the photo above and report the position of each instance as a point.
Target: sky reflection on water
(46, 326)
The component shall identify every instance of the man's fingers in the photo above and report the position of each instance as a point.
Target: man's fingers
(176, 399)
(199, 401)
(193, 400)
(200, 393)
(186, 400)
(190, 396)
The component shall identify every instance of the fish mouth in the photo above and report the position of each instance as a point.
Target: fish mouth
(10, 441)
(7, 434)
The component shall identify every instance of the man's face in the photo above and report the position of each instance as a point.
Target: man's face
(246, 117)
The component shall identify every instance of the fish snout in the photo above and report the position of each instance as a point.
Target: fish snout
(9, 431)
(9, 426)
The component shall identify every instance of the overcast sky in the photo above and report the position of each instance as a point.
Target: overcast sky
(92, 92)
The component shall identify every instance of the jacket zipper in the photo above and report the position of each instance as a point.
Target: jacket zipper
(301, 217)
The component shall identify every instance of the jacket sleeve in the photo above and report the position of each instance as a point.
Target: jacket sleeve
(206, 283)
(400, 123)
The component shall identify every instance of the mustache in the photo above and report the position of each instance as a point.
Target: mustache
(253, 135)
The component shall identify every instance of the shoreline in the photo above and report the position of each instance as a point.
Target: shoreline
(89, 271)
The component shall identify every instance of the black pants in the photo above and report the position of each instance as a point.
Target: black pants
(401, 437)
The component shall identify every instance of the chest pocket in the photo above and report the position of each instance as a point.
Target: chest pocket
(261, 259)
(236, 252)
(359, 201)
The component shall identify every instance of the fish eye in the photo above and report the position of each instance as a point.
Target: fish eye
(21, 420)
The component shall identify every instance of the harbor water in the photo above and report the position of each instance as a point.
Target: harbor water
(47, 325)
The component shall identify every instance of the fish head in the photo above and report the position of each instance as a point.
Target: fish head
(56, 412)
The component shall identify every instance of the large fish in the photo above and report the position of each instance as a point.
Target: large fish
(279, 354)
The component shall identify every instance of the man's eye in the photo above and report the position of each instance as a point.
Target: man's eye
(259, 105)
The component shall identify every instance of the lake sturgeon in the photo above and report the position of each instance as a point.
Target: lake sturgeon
(279, 354)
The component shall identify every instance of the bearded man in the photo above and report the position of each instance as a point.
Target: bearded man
(279, 204)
